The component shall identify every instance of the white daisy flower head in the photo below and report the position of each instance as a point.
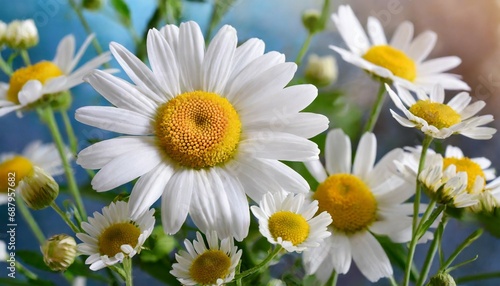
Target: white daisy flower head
(291, 221)
(202, 264)
(363, 199)
(29, 86)
(114, 235)
(429, 114)
(402, 60)
(206, 127)
(481, 179)
(31, 174)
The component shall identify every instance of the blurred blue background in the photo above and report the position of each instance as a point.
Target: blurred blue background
(278, 23)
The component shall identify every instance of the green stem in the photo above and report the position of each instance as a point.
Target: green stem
(56, 135)
(432, 252)
(26, 272)
(25, 212)
(26, 57)
(376, 108)
(470, 239)
(392, 281)
(416, 206)
(5, 67)
(87, 28)
(428, 218)
(304, 48)
(238, 268)
(73, 142)
(258, 267)
(477, 277)
(333, 279)
(127, 266)
(63, 215)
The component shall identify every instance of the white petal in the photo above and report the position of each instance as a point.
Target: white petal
(438, 65)
(245, 54)
(402, 36)
(176, 199)
(30, 92)
(422, 45)
(338, 152)
(190, 55)
(365, 156)
(351, 30)
(376, 31)
(317, 170)
(370, 257)
(115, 119)
(163, 62)
(342, 250)
(65, 52)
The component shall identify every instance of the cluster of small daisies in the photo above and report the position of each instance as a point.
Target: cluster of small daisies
(201, 131)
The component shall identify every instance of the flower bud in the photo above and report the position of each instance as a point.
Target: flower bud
(321, 71)
(3, 31)
(442, 279)
(38, 189)
(59, 252)
(21, 34)
(310, 20)
(92, 5)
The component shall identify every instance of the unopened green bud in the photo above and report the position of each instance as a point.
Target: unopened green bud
(21, 34)
(59, 252)
(442, 279)
(321, 71)
(38, 189)
(310, 19)
(92, 5)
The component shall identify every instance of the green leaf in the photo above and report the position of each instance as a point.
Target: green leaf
(32, 258)
(123, 12)
(397, 254)
(158, 246)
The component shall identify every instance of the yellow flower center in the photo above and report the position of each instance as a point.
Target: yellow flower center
(348, 200)
(14, 170)
(289, 226)
(41, 71)
(209, 266)
(392, 59)
(117, 235)
(472, 169)
(198, 129)
(436, 114)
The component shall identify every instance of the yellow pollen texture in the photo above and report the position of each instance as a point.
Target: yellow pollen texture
(41, 71)
(289, 226)
(210, 266)
(436, 114)
(466, 165)
(117, 235)
(198, 129)
(348, 200)
(15, 168)
(392, 59)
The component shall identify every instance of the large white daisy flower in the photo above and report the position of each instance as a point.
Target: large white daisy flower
(207, 127)
(114, 235)
(429, 114)
(362, 199)
(29, 84)
(36, 158)
(202, 265)
(291, 221)
(401, 60)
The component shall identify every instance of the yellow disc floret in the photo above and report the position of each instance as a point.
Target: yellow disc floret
(41, 71)
(289, 226)
(472, 169)
(117, 235)
(436, 114)
(14, 170)
(211, 265)
(348, 200)
(198, 129)
(392, 59)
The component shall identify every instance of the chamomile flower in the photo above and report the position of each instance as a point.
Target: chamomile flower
(31, 172)
(429, 114)
(206, 128)
(364, 200)
(201, 264)
(290, 221)
(114, 235)
(29, 85)
(399, 61)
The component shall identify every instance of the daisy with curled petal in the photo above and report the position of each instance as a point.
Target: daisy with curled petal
(363, 199)
(401, 60)
(212, 265)
(37, 160)
(429, 114)
(290, 221)
(114, 235)
(205, 127)
(30, 84)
